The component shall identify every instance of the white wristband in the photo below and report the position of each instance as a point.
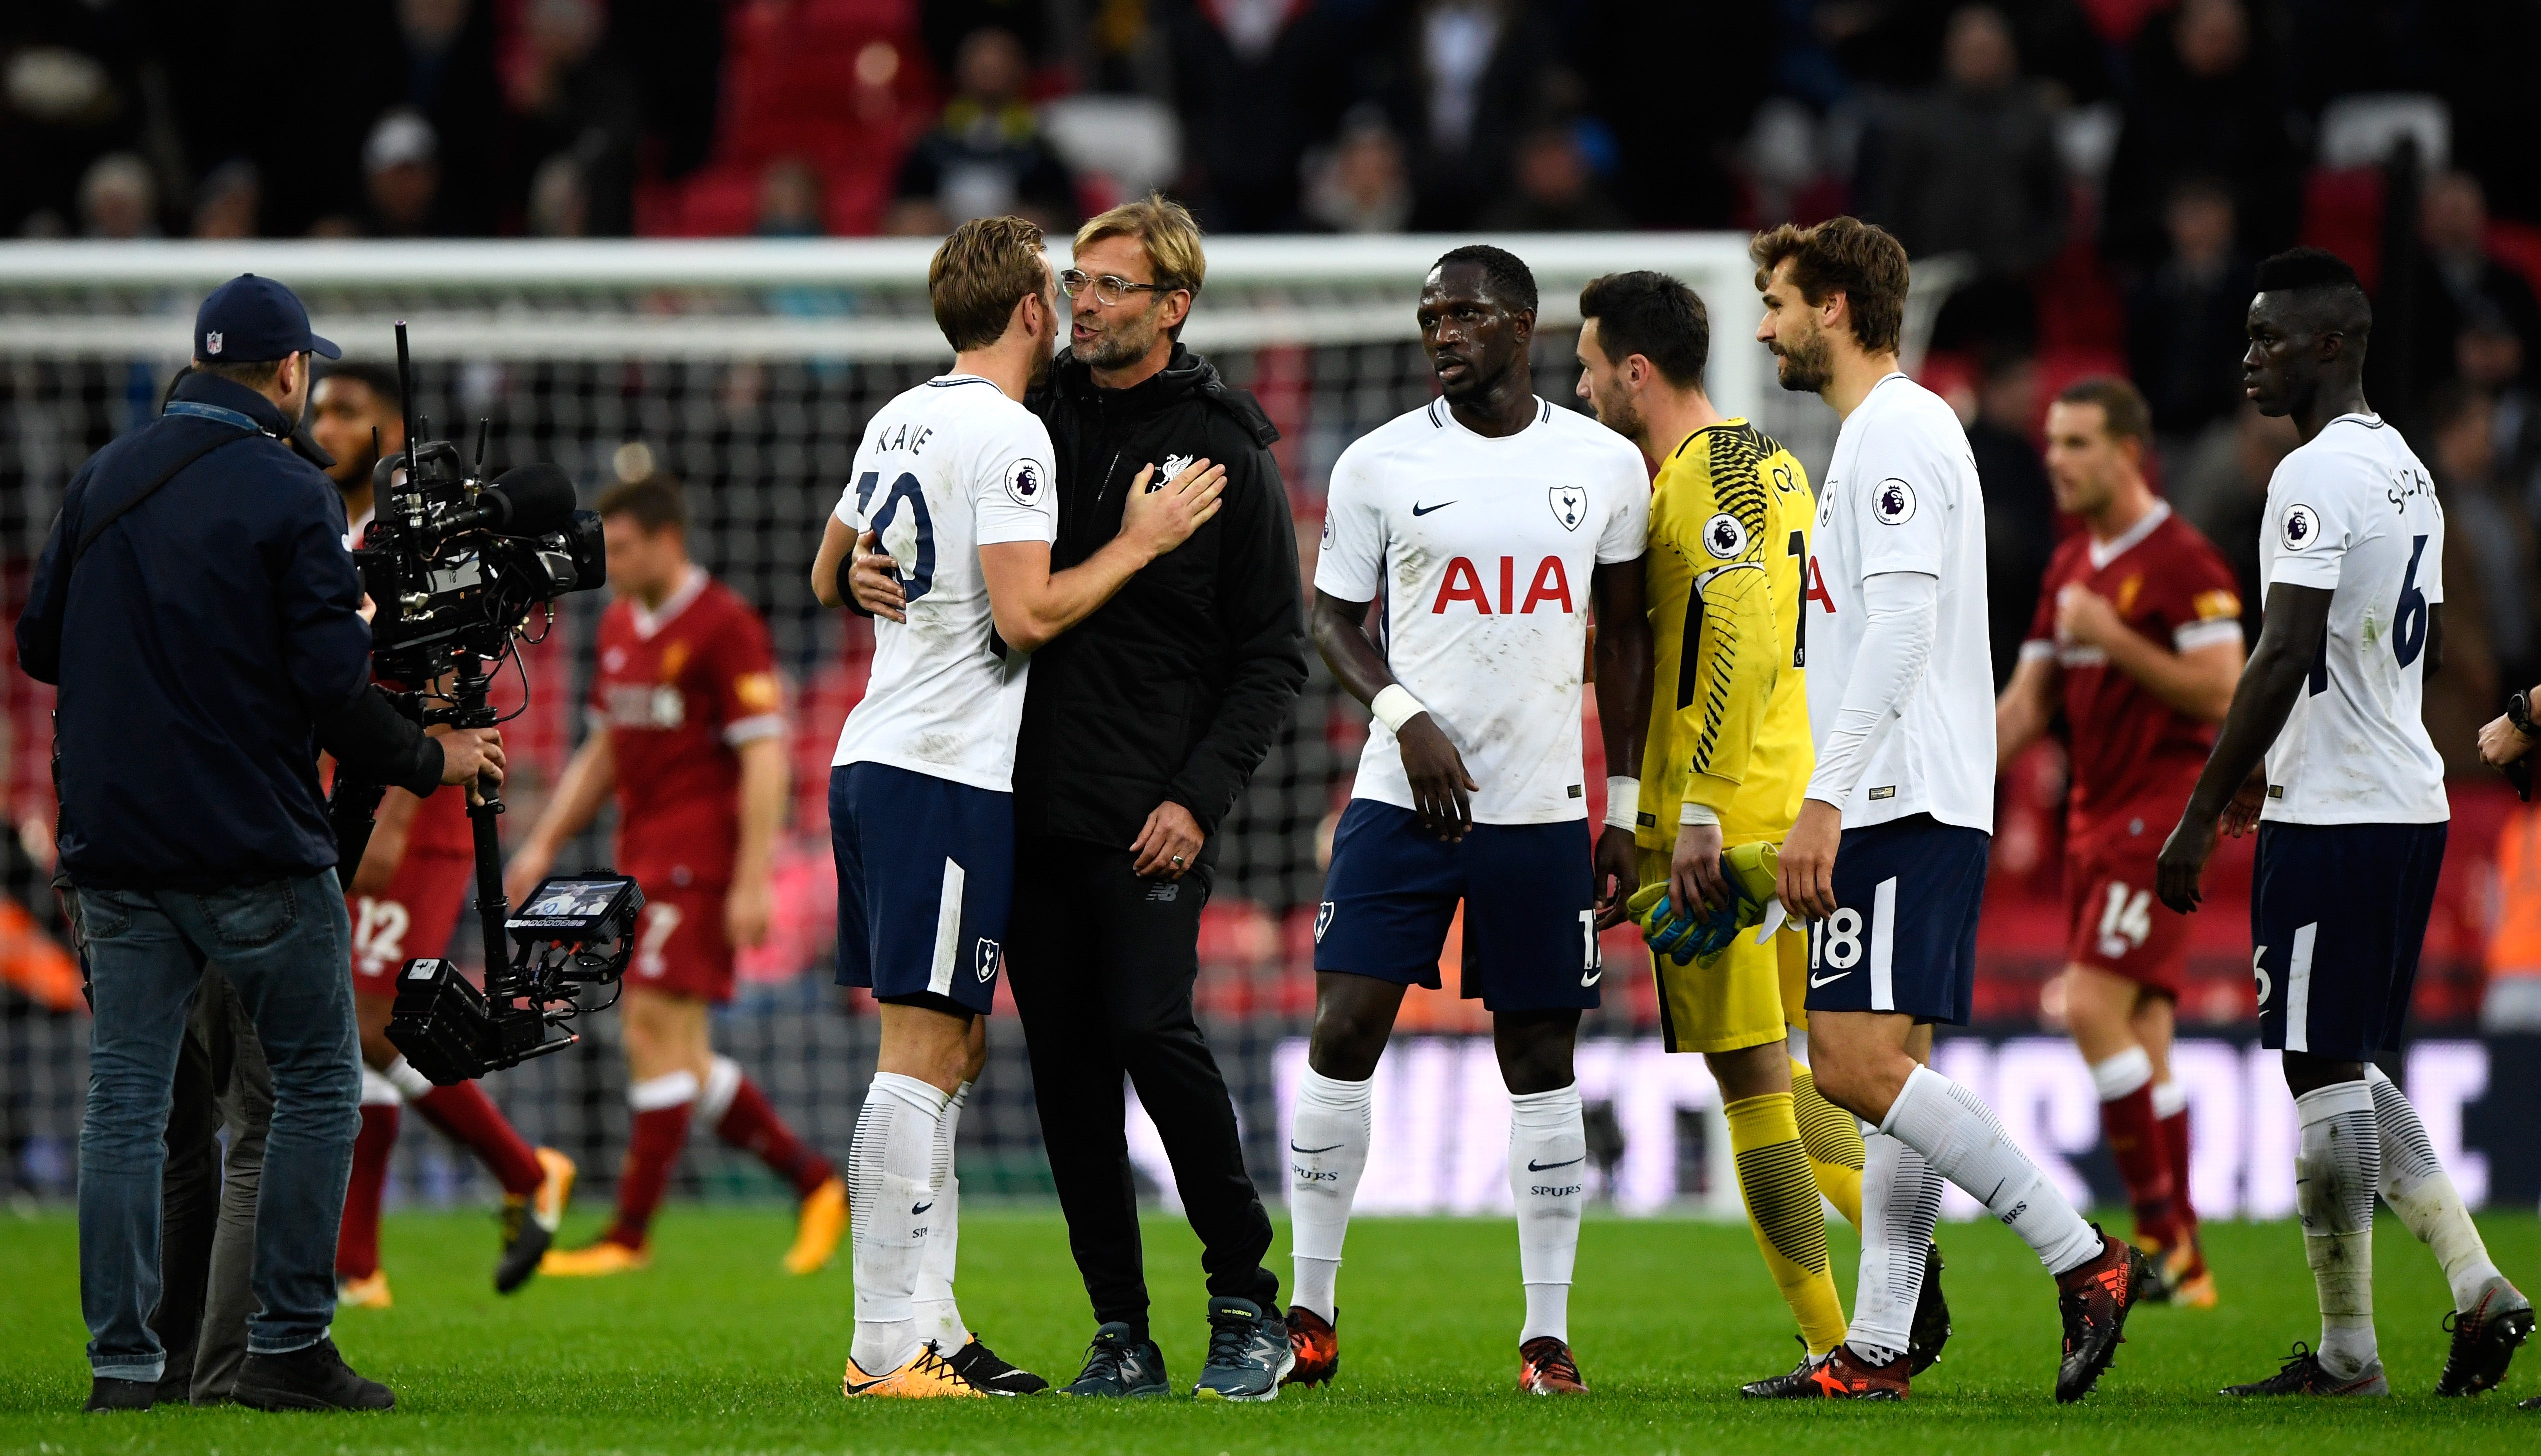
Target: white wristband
(1694, 814)
(1394, 706)
(1622, 802)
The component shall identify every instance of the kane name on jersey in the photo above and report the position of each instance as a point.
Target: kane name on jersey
(679, 689)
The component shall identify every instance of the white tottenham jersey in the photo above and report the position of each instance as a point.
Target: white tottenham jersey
(1484, 550)
(2353, 514)
(947, 468)
(1901, 495)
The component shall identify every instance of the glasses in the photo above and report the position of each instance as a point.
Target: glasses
(1107, 290)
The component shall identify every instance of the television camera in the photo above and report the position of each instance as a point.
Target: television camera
(457, 566)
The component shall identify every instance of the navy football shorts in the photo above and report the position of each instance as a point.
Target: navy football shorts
(1529, 892)
(926, 873)
(1904, 934)
(2338, 913)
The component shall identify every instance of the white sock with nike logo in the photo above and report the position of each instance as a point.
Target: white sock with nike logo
(1328, 1142)
(1548, 1176)
(891, 1182)
(939, 1316)
(1901, 1202)
(1967, 1144)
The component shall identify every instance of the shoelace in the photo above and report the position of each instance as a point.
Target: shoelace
(1229, 1333)
(932, 1361)
(1103, 1359)
(1562, 1364)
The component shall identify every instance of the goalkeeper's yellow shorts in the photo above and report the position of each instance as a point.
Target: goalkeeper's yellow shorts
(1742, 999)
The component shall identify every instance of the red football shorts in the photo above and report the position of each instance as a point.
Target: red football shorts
(414, 916)
(679, 945)
(2116, 922)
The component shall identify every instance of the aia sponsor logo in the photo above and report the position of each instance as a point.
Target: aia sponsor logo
(1548, 587)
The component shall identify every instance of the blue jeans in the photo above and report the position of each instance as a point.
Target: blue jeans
(285, 945)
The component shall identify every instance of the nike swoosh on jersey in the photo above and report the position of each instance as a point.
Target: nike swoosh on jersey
(1827, 980)
(1294, 1148)
(1533, 1166)
(1420, 510)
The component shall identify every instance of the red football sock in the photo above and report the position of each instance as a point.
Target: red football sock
(2144, 1160)
(751, 1123)
(358, 1239)
(466, 1114)
(2177, 1143)
(651, 1154)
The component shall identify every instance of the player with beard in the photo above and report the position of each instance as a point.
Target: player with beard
(1479, 519)
(2325, 750)
(1887, 857)
(2137, 641)
(415, 879)
(1727, 758)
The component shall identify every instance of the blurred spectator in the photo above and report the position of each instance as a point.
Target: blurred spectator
(2488, 358)
(2488, 530)
(559, 204)
(675, 50)
(2019, 504)
(791, 200)
(1553, 189)
(2223, 490)
(1467, 75)
(118, 200)
(1678, 123)
(230, 200)
(985, 155)
(2205, 101)
(1900, 44)
(446, 47)
(1970, 167)
(401, 168)
(1360, 185)
(2458, 278)
(1255, 81)
(2187, 323)
(576, 99)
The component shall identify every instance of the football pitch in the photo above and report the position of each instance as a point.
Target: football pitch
(715, 1350)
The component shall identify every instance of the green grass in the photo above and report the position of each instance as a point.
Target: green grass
(715, 1350)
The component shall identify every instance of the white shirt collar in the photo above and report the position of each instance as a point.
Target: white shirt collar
(648, 621)
(2102, 553)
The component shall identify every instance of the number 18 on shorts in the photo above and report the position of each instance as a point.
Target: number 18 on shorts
(1904, 934)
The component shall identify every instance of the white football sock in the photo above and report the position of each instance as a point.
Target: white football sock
(1327, 1152)
(2336, 1172)
(1967, 1145)
(891, 1186)
(1547, 1167)
(1901, 1203)
(939, 1318)
(2422, 1191)
(2121, 1074)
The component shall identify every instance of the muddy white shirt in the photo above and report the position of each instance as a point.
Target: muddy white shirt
(1484, 550)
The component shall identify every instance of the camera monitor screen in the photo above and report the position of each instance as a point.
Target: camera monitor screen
(569, 902)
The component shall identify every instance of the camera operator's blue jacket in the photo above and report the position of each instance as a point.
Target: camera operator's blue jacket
(206, 645)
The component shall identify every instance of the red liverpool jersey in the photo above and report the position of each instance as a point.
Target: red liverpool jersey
(2132, 751)
(441, 825)
(679, 689)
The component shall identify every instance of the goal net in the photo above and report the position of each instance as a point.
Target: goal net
(747, 369)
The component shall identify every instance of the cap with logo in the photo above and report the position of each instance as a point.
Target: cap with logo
(250, 320)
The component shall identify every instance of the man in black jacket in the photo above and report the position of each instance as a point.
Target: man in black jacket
(1142, 727)
(199, 613)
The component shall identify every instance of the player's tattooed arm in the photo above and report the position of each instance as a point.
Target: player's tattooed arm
(1441, 789)
(2296, 628)
(1623, 719)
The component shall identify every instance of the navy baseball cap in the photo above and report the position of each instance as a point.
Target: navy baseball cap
(250, 320)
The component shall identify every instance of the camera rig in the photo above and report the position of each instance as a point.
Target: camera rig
(456, 566)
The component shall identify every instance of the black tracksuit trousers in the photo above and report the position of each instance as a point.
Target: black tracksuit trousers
(1102, 963)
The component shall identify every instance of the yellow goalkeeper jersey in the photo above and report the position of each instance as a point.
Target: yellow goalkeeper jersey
(1729, 710)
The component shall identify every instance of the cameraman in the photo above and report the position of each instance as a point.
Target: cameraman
(198, 608)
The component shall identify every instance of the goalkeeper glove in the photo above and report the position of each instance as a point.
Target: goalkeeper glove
(1753, 872)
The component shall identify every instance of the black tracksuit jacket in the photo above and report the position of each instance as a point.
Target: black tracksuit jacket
(1177, 687)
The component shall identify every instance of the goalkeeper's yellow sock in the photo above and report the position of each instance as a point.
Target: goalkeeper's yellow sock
(1773, 1176)
(1834, 1139)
